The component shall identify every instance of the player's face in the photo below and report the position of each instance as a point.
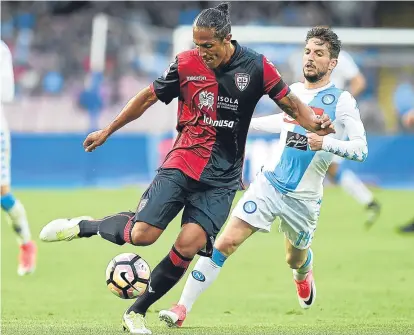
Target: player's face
(211, 49)
(317, 61)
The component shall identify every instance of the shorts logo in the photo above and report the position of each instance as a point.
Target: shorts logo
(250, 207)
(328, 99)
(197, 275)
(242, 80)
(142, 204)
(206, 99)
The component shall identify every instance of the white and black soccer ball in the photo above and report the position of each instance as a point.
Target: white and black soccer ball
(128, 276)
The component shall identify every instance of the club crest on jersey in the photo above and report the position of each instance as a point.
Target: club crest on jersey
(206, 99)
(242, 80)
(328, 99)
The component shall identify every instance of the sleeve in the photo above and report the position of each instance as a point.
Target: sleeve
(356, 148)
(167, 86)
(271, 123)
(273, 83)
(7, 75)
(347, 66)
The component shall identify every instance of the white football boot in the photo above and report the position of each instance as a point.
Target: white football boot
(135, 323)
(62, 229)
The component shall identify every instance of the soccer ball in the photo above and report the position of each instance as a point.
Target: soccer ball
(128, 276)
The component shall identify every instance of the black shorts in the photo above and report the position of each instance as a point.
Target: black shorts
(172, 190)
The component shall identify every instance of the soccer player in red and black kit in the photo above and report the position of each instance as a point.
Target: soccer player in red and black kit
(218, 85)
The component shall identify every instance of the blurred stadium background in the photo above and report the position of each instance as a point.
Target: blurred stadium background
(58, 101)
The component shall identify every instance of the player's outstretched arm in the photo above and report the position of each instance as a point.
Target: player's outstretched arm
(304, 115)
(271, 123)
(356, 147)
(132, 111)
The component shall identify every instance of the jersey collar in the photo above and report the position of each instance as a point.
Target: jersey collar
(314, 90)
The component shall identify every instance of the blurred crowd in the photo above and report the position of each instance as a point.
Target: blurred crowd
(50, 43)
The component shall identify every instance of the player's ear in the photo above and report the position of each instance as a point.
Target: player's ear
(227, 39)
(333, 63)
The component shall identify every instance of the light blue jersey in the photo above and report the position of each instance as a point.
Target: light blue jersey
(298, 171)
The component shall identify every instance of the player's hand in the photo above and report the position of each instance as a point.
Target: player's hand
(324, 125)
(314, 141)
(95, 139)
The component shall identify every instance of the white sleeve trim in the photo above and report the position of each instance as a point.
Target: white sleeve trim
(271, 123)
(356, 148)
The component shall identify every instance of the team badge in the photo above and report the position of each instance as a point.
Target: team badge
(250, 207)
(197, 275)
(328, 99)
(242, 80)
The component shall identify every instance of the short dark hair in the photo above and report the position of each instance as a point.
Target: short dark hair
(326, 35)
(217, 18)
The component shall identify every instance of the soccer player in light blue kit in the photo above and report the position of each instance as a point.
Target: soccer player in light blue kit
(346, 74)
(12, 206)
(290, 189)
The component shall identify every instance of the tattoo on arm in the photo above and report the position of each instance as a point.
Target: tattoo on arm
(289, 104)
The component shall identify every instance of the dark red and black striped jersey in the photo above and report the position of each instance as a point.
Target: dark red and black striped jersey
(215, 108)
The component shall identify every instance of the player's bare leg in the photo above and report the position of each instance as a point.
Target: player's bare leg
(350, 182)
(301, 262)
(206, 270)
(18, 219)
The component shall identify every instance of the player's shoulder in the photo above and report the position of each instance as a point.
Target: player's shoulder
(333, 93)
(347, 103)
(187, 55)
(296, 87)
(345, 96)
(4, 49)
(249, 55)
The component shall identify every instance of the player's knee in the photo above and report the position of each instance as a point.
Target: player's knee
(187, 250)
(293, 262)
(143, 234)
(191, 240)
(5, 189)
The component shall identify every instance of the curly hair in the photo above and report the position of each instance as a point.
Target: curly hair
(326, 35)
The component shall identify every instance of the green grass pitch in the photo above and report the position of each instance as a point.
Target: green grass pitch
(364, 278)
